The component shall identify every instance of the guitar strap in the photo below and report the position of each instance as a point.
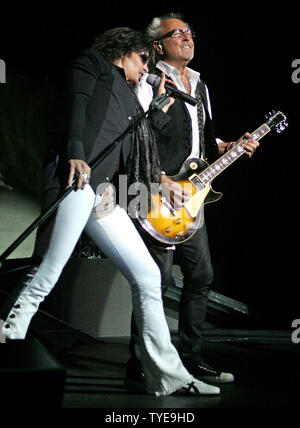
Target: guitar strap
(200, 96)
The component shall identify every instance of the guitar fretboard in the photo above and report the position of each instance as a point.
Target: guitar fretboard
(200, 180)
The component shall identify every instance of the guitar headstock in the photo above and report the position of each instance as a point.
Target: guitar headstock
(277, 120)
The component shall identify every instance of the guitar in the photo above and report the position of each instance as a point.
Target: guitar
(171, 226)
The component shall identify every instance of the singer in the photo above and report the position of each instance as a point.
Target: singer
(189, 135)
(102, 103)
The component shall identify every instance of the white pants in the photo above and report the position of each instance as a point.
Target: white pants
(118, 239)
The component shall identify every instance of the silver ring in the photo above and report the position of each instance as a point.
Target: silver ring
(85, 177)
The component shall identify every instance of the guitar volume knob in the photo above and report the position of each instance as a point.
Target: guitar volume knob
(193, 165)
(169, 229)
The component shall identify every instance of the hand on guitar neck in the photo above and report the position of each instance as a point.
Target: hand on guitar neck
(250, 145)
(174, 193)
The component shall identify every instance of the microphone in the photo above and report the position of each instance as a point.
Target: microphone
(154, 80)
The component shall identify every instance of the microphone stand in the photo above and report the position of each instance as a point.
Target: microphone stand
(157, 104)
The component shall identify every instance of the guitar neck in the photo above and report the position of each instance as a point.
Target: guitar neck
(227, 159)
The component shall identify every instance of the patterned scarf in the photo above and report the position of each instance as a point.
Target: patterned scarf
(143, 164)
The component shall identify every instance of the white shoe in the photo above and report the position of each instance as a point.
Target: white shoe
(197, 387)
(202, 371)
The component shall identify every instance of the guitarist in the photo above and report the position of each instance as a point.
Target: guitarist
(189, 134)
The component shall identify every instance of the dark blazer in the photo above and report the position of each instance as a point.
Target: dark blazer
(174, 142)
(101, 107)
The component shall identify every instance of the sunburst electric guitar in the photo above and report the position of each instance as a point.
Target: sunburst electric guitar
(171, 226)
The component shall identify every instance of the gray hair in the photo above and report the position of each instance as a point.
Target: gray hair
(154, 32)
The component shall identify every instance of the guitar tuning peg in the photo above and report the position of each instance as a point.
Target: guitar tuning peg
(281, 127)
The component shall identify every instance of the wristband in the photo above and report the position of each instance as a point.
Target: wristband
(229, 146)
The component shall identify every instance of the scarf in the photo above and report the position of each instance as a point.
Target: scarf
(143, 164)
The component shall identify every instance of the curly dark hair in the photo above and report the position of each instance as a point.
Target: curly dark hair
(119, 42)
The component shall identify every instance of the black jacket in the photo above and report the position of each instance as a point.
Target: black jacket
(174, 142)
(101, 107)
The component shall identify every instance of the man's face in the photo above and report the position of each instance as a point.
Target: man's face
(177, 48)
(135, 65)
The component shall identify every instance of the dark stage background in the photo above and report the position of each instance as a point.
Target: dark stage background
(245, 56)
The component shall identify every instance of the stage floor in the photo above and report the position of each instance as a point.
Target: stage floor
(265, 365)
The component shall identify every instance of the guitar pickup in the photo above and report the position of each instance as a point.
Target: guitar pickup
(196, 181)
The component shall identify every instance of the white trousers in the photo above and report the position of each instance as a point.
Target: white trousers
(117, 237)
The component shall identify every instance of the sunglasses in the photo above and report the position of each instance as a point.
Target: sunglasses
(178, 32)
(144, 57)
